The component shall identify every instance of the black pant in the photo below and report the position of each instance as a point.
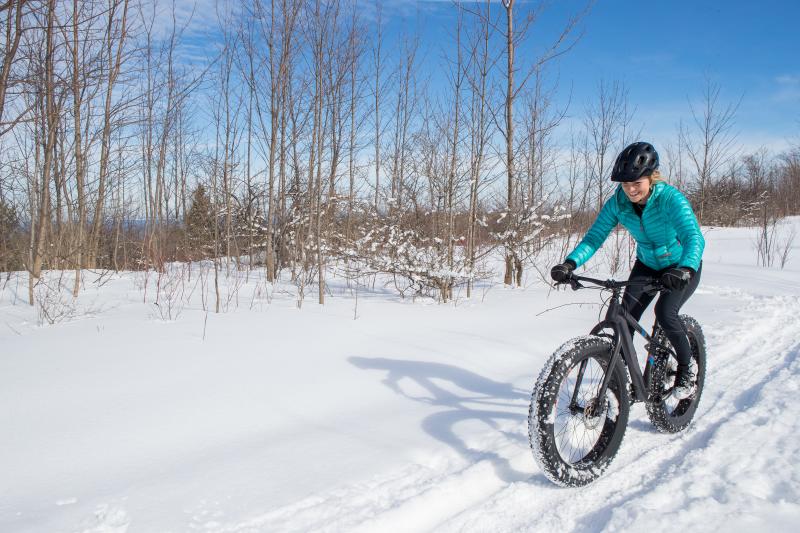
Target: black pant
(669, 303)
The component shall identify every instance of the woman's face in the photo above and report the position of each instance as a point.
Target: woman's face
(637, 191)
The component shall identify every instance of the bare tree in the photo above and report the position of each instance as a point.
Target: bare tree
(47, 119)
(356, 49)
(231, 106)
(406, 102)
(277, 29)
(13, 27)
(510, 259)
(712, 145)
(789, 181)
(606, 122)
(480, 107)
(675, 158)
(378, 89)
(560, 45)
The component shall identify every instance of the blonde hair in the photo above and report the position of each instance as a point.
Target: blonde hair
(655, 177)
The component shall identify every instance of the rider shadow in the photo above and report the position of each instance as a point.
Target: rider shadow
(489, 396)
(642, 425)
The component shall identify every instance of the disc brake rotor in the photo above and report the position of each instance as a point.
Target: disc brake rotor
(594, 413)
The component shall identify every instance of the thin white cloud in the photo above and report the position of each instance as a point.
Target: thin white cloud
(788, 89)
(194, 16)
(788, 79)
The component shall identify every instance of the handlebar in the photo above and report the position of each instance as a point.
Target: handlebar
(650, 285)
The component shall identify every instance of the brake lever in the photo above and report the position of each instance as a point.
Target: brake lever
(575, 284)
(653, 288)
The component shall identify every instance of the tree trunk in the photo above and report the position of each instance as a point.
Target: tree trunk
(50, 120)
(508, 278)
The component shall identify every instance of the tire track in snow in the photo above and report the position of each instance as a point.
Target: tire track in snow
(648, 459)
(414, 498)
(730, 482)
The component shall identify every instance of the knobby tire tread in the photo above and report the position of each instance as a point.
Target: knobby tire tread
(541, 415)
(665, 418)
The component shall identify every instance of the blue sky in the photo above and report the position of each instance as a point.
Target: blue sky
(663, 51)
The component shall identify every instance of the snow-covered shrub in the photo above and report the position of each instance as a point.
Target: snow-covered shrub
(422, 265)
(521, 235)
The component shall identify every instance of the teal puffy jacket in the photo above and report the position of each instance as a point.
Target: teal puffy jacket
(667, 234)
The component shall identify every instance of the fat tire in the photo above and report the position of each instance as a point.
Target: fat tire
(671, 415)
(542, 413)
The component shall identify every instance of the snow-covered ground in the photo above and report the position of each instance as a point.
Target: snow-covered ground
(374, 413)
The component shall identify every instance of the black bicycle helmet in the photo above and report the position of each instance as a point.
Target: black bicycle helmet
(636, 160)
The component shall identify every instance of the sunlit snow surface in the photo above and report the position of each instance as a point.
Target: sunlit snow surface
(410, 417)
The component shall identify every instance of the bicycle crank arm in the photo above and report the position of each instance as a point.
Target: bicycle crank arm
(664, 395)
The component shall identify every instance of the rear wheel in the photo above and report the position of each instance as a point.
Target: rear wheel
(574, 434)
(668, 414)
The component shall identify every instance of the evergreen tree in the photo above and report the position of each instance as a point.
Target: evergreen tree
(9, 226)
(199, 224)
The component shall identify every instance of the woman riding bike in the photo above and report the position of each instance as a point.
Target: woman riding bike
(669, 247)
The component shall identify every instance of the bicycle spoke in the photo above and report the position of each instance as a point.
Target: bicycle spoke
(575, 435)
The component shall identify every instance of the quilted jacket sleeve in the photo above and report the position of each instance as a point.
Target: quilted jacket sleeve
(687, 229)
(597, 234)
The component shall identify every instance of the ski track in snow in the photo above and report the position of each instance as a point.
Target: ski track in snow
(713, 469)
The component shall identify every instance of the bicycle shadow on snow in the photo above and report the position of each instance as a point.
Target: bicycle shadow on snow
(479, 399)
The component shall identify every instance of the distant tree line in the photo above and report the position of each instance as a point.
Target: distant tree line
(298, 136)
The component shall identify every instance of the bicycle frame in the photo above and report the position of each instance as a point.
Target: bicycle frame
(617, 320)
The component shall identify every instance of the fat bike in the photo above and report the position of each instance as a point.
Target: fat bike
(581, 401)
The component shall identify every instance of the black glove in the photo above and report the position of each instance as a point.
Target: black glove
(676, 279)
(561, 273)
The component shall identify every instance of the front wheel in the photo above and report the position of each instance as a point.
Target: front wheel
(574, 434)
(668, 414)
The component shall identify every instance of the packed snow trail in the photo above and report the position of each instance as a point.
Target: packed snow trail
(709, 476)
(714, 476)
